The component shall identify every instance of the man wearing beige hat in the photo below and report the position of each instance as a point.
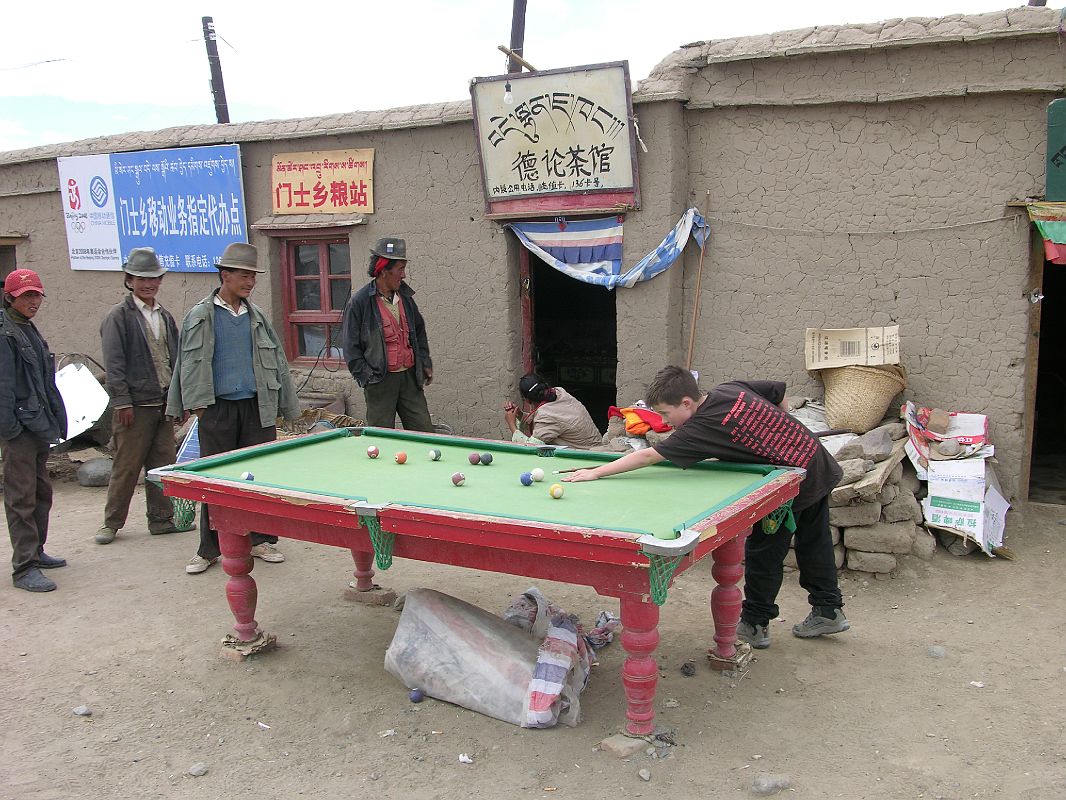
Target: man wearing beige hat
(232, 373)
(140, 345)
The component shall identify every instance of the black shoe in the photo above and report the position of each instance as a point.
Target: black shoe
(45, 561)
(33, 581)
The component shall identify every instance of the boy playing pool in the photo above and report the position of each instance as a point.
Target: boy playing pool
(748, 422)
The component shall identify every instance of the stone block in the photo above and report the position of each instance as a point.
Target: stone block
(854, 468)
(623, 746)
(851, 516)
(375, 597)
(889, 492)
(849, 451)
(95, 472)
(895, 430)
(924, 546)
(896, 475)
(842, 496)
(836, 533)
(909, 478)
(904, 507)
(883, 537)
(876, 563)
(838, 556)
(876, 444)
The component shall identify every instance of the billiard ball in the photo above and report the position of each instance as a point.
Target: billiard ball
(474, 458)
(434, 454)
(247, 476)
(556, 490)
(372, 451)
(537, 474)
(526, 479)
(401, 457)
(416, 695)
(458, 478)
(486, 458)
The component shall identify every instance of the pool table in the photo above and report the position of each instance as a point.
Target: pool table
(626, 536)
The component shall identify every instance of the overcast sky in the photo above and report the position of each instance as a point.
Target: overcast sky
(71, 71)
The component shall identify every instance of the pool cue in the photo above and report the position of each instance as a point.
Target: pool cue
(564, 471)
(699, 280)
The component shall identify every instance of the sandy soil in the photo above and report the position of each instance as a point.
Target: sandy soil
(869, 714)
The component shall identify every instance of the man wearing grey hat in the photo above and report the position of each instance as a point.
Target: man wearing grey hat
(385, 342)
(232, 373)
(140, 344)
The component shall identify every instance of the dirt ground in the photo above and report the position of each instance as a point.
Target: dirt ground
(868, 714)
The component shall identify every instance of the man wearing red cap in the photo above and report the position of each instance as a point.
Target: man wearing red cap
(32, 416)
(385, 342)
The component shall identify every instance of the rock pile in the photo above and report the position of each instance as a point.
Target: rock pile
(874, 513)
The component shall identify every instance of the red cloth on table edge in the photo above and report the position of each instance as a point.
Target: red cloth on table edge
(1055, 253)
(639, 420)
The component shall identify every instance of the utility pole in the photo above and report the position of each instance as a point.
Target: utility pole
(218, 90)
(518, 34)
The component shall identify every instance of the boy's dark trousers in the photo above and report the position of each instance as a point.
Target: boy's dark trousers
(397, 392)
(225, 426)
(764, 558)
(148, 443)
(27, 498)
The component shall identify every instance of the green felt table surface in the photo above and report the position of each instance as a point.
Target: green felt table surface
(657, 500)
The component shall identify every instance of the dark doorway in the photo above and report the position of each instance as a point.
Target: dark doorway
(1047, 482)
(575, 337)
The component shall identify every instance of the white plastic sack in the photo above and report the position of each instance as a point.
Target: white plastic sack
(462, 654)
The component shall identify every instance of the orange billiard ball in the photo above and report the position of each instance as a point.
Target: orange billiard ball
(401, 457)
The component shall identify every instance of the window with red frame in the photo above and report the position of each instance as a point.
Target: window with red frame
(318, 276)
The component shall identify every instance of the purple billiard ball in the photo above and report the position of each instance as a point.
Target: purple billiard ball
(486, 458)
(474, 458)
(526, 478)
(416, 695)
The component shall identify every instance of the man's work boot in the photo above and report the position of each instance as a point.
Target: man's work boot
(756, 635)
(105, 535)
(45, 561)
(32, 580)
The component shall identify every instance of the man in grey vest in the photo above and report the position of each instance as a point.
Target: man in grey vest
(140, 343)
(232, 373)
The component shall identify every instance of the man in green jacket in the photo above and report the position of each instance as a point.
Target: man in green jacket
(232, 373)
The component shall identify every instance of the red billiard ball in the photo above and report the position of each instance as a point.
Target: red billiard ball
(372, 452)
(458, 478)
(401, 457)
(474, 458)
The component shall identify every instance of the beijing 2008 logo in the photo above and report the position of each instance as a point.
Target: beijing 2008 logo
(73, 195)
(98, 191)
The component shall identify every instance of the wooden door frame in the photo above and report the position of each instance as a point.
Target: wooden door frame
(1034, 280)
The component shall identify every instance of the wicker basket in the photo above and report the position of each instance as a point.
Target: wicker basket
(857, 397)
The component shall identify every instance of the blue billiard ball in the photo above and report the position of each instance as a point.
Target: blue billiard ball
(486, 458)
(416, 695)
(247, 476)
(526, 478)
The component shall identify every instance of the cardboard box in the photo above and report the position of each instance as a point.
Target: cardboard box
(965, 498)
(841, 347)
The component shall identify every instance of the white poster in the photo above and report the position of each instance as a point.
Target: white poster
(89, 212)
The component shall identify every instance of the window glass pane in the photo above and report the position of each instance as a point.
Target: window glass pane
(339, 291)
(340, 260)
(307, 259)
(337, 343)
(308, 295)
(312, 339)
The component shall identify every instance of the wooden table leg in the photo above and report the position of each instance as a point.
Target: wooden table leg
(640, 673)
(241, 591)
(363, 589)
(726, 599)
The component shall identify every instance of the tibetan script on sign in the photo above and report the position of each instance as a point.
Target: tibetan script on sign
(555, 133)
(323, 182)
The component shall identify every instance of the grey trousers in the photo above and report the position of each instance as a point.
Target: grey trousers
(398, 393)
(27, 498)
(148, 443)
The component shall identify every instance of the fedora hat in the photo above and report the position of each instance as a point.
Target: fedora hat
(240, 255)
(390, 247)
(143, 263)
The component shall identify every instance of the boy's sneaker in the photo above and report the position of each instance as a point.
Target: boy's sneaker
(268, 552)
(45, 561)
(820, 622)
(756, 635)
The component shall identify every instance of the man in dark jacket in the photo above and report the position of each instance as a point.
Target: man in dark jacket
(140, 342)
(32, 416)
(385, 342)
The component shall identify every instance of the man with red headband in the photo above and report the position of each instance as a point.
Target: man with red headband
(385, 342)
(32, 417)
